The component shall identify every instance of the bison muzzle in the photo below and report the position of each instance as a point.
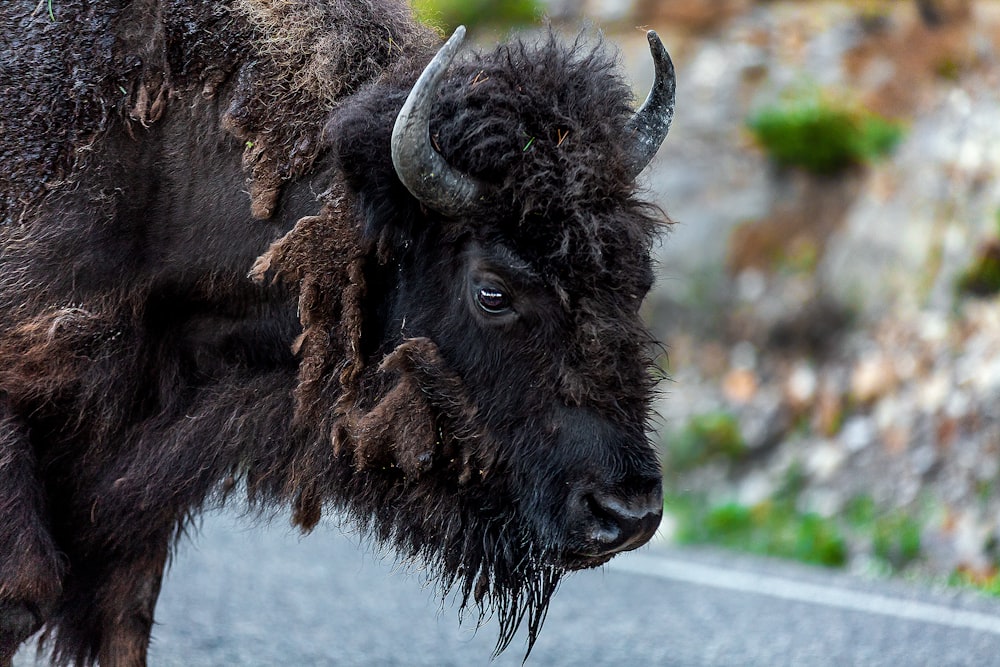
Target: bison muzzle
(438, 340)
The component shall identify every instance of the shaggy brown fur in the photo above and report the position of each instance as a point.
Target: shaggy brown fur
(142, 374)
(137, 58)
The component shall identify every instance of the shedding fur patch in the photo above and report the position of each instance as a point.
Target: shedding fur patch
(324, 256)
(385, 416)
(45, 355)
(398, 431)
(294, 61)
(310, 55)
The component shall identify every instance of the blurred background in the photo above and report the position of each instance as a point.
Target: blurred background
(827, 295)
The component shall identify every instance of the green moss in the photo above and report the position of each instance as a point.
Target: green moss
(448, 14)
(822, 136)
(706, 437)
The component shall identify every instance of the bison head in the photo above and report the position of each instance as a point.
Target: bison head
(494, 415)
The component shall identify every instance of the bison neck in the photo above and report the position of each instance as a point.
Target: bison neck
(169, 370)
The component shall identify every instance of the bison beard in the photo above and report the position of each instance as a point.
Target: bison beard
(477, 545)
(143, 376)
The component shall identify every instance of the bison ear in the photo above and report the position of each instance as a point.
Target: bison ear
(359, 134)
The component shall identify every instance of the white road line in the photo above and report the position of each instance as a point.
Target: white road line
(788, 589)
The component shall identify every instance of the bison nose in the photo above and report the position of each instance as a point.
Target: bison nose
(619, 524)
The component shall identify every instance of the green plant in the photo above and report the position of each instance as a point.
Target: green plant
(822, 136)
(895, 535)
(768, 528)
(706, 437)
(448, 14)
(896, 540)
(988, 582)
(860, 511)
(982, 277)
(793, 482)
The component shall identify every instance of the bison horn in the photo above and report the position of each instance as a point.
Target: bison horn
(651, 122)
(424, 172)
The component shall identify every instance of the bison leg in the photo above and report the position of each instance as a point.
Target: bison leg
(127, 601)
(30, 572)
(106, 612)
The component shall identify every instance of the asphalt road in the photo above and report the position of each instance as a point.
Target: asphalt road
(240, 594)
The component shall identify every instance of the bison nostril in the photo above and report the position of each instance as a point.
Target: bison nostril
(617, 524)
(604, 526)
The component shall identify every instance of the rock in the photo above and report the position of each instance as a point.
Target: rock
(923, 459)
(743, 356)
(751, 285)
(872, 377)
(764, 422)
(937, 13)
(829, 413)
(969, 538)
(755, 488)
(611, 10)
(987, 379)
(987, 469)
(895, 247)
(933, 327)
(896, 439)
(858, 433)
(739, 385)
(801, 386)
(933, 392)
(825, 460)
(905, 364)
(826, 502)
(696, 15)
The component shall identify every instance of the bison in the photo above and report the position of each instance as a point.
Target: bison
(300, 251)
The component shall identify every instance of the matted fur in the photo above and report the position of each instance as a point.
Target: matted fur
(141, 57)
(312, 54)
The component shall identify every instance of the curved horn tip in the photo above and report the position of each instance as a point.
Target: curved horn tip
(657, 49)
(651, 122)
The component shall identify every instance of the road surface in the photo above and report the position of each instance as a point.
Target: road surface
(240, 594)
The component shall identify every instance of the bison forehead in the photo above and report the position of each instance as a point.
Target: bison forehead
(544, 124)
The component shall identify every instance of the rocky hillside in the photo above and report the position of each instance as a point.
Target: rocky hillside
(844, 324)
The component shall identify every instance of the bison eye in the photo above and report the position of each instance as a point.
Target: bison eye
(492, 300)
